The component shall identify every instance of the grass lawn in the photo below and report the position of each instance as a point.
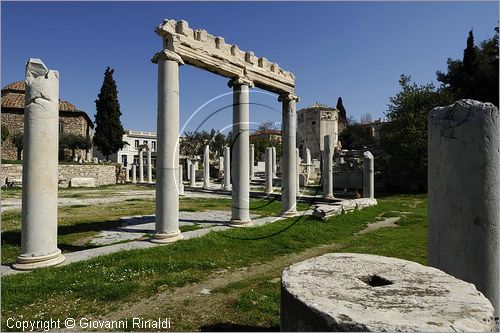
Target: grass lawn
(242, 266)
(78, 224)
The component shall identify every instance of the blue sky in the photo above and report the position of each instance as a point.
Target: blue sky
(356, 50)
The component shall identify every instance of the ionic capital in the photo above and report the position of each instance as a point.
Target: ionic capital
(166, 55)
(240, 80)
(288, 97)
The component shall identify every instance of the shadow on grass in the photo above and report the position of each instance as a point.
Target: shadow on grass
(231, 327)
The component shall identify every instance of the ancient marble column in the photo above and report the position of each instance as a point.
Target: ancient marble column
(141, 165)
(308, 157)
(181, 181)
(227, 168)
(328, 167)
(150, 167)
(134, 173)
(289, 166)
(167, 160)
(275, 164)
(368, 175)
(268, 184)
(297, 159)
(464, 194)
(206, 168)
(188, 162)
(40, 169)
(127, 173)
(252, 157)
(192, 175)
(239, 166)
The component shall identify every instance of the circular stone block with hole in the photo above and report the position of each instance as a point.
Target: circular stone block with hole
(361, 292)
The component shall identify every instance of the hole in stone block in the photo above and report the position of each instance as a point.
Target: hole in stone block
(375, 281)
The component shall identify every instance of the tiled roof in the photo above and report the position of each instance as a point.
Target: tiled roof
(13, 97)
(318, 106)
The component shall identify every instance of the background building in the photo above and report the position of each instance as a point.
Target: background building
(313, 123)
(71, 120)
(130, 153)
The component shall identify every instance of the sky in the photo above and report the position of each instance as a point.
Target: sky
(356, 50)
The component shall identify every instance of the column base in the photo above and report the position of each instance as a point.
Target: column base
(163, 238)
(29, 263)
(239, 223)
(289, 213)
(329, 197)
(228, 188)
(151, 182)
(268, 192)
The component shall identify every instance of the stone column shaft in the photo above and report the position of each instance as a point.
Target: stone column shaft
(40, 169)
(252, 157)
(192, 175)
(274, 161)
(150, 168)
(464, 194)
(188, 163)
(181, 180)
(268, 184)
(134, 174)
(141, 166)
(289, 166)
(298, 169)
(227, 168)
(167, 160)
(368, 176)
(328, 167)
(206, 168)
(240, 164)
(127, 172)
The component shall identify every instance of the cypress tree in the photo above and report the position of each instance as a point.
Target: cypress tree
(469, 59)
(108, 137)
(342, 111)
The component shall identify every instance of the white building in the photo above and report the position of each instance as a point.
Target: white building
(129, 154)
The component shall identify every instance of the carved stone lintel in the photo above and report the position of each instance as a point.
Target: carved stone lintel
(240, 80)
(166, 55)
(288, 97)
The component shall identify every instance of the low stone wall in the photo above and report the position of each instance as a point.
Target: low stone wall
(103, 174)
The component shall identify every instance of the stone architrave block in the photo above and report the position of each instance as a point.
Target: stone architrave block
(83, 182)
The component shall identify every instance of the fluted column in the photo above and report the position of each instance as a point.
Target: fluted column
(167, 160)
(40, 175)
(141, 165)
(181, 180)
(206, 168)
(188, 163)
(227, 168)
(150, 167)
(274, 162)
(240, 164)
(268, 183)
(289, 166)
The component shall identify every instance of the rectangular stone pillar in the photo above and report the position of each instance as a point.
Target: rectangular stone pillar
(289, 166)
(227, 168)
(206, 168)
(150, 167)
(40, 169)
(240, 164)
(327, 173)
(268, 183)
(167, 160)
(464, 193)
(368, 175)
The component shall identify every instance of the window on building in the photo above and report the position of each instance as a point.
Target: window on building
(124, 160)
(61, 127)
(136, 143)
(153, 145)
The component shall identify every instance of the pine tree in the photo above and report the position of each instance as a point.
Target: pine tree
(342, 111)
(109, 130)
